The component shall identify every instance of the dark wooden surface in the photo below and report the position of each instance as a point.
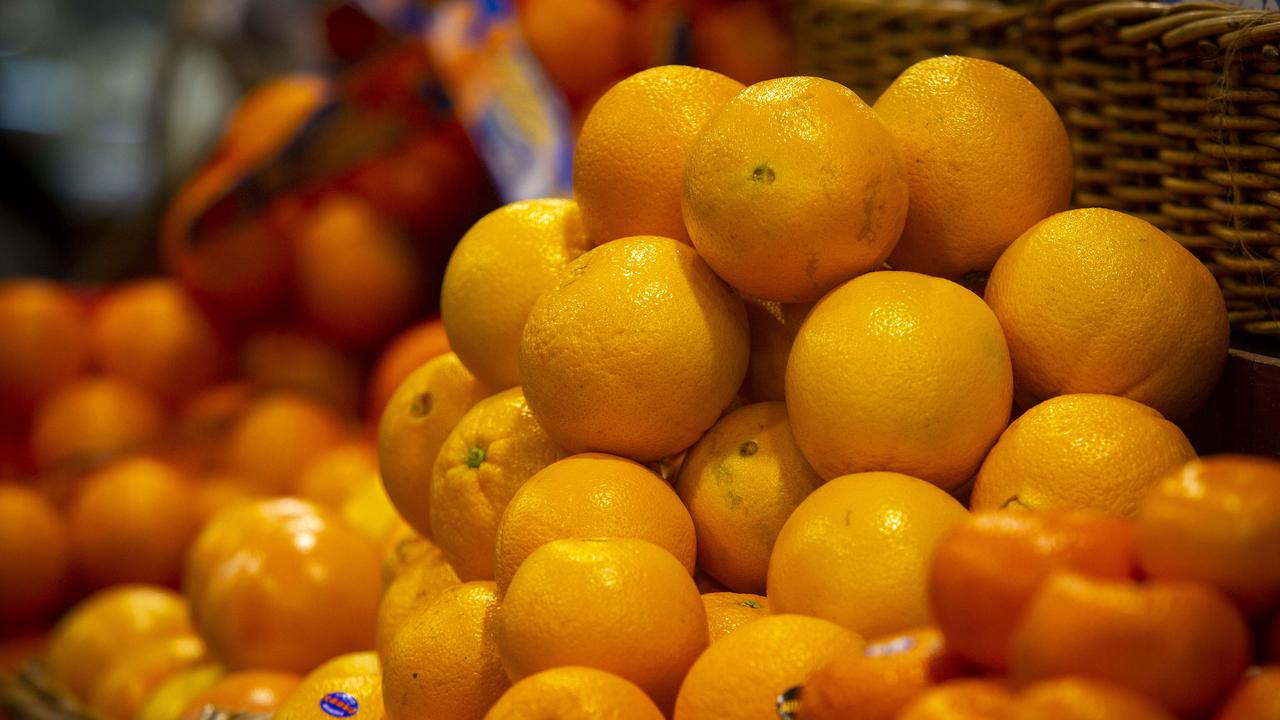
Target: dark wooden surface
(1243, 415)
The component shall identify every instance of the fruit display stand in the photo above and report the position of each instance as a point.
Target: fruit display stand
(1173, 108)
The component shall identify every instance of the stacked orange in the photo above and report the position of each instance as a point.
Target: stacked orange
(612, 422)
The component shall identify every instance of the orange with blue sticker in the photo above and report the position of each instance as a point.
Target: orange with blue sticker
(339, 705)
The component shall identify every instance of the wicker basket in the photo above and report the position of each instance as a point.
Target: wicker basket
(865, 44)
(1173, 110)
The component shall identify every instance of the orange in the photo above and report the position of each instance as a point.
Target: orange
(580, 43)
(728, 611)
(773, 328)
(792, 188)
(268, 113)
(488, 455)
(417, 584)
(1182, 644)
(742, 39)
(1117, 283)
(1091, 451)
(255, 575)
(171, 697)
(406, 351)
(741, 676)
(108, 625)
(369, 511)
(621, 605)
(150, 333)
(600, 350)
(741, 482)
(218, 491)
(574, 693)
(35, 561)
(899, 371)
(1217, 520)
(628, 165)
(856, 552)
(877, 682)
(591, 495)
(132, 521)
(444, 657)
(1075, 698)
(404, 548)
(415, 423)
(496, 272)
(44, 333)
(259, 691)
(331, 477)
(986, 156)
(276, 436)
(986, 570)
(348, 685)
(1256, 698)
(296, 362)
(91, 419)
(122, 689)
(357, 278)
(966, 699)
(240, 269)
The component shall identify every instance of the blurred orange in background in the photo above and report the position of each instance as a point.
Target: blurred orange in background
(296, 361)
(44, 334)
(35, 562)
(276, 436)
(90, 419)
(358, 279)
(131, 522)
(150, 333)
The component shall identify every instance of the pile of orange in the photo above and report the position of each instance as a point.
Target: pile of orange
(722, 433)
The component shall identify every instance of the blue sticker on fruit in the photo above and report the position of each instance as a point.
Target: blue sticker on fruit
(515, 116)
(339, 705)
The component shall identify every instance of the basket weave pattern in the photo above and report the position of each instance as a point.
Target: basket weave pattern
(1173, 110)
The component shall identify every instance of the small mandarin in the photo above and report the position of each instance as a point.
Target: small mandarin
(1217, 520)
(878, 681)
(986, 570)
(1180, 643)
(1077, 698)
